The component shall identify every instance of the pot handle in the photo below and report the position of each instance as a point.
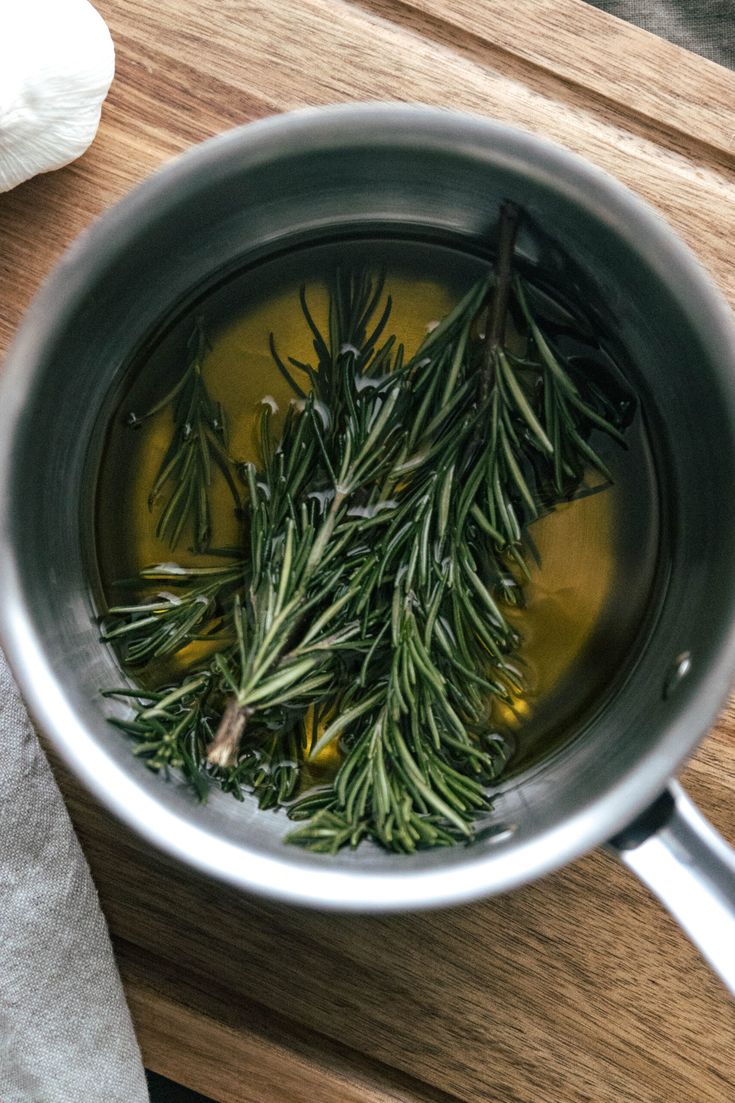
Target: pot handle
(691, 869)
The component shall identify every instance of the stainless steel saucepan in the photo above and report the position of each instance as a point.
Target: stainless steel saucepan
(398, 170)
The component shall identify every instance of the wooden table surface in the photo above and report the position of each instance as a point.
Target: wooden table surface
(578, 988)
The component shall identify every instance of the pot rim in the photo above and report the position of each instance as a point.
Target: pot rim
(293, 878)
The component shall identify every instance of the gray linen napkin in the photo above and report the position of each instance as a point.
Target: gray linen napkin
(65, 1030)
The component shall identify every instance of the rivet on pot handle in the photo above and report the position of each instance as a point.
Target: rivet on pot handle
(691, 869)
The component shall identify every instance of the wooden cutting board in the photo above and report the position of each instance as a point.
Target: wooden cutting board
(578, 988)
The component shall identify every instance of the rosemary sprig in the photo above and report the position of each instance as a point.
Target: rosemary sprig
(198, 444)
(386, 534)
(196, 605)
(171, 727)
(291, 624)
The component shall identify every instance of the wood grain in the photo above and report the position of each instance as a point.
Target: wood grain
(575, 989)
(243, 1052)
(584, 48)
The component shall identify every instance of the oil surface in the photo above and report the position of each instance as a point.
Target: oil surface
(593, 571)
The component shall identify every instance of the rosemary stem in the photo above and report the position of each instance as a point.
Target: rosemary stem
(222, 751)
(498, 309)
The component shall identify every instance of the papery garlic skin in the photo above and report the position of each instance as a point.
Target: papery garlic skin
(57, 61)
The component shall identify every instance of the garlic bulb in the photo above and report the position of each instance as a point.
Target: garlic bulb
(56, 65)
